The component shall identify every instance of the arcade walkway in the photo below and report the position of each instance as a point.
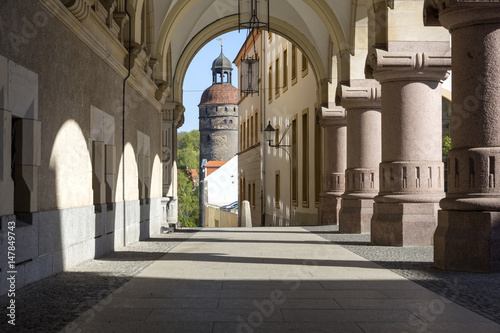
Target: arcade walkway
(273, 280)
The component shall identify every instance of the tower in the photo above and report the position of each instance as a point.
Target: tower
(219, 114)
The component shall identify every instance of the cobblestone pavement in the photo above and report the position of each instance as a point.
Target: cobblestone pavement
(50, 304)
(477, 292)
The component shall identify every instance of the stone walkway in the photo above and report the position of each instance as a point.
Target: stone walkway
(478, 292)
(273, 280)
(50, 304)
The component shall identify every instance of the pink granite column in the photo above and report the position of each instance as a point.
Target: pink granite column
(362, 103)
(411, 172)
(334, 123)
(468, 233)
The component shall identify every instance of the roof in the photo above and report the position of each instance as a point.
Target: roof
(192, 173)
(222, 62)
(220, 94)
(215, 164)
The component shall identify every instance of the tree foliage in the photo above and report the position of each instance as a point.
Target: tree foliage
(446, 145)
(188, 153)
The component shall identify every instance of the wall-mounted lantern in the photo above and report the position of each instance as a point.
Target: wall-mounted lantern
(250, 76)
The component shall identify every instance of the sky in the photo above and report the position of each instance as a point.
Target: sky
(199, 74)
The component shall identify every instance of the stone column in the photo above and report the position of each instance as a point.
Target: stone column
(335, 134)
(468, 233)
(411, 172)
(362, 103)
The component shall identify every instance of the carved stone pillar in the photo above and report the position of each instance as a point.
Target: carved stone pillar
(335, 134)
(167, 142)
(468, 233)
(362, 103)
(411, 172)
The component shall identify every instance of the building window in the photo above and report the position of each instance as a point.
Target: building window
(251, 131)
(208, 138)
(256, 131)
(241, 82)
(253, 195)
(248, 133)
(241, 136)
(305, 159)
(294, 64)
(243, 189)
(295, 163)
(277, 135)
(277, 189)
(270, 83)
(285, 70)
(230, 121)
(277, 78)
(225, 122)
(250, 194)
(305, 65)
(318, 151)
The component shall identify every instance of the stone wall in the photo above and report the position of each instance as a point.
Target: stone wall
(67, 223)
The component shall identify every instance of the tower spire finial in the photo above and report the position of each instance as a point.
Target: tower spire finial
(221, 45)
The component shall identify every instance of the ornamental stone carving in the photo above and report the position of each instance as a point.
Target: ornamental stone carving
(79, 8)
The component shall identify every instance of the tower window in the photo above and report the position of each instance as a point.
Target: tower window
(208, 138)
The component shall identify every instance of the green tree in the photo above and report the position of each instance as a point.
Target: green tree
(188, 158)
(446, 145)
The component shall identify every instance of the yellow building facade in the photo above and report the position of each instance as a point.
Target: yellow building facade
(281, 183)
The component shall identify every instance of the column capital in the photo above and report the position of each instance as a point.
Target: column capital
(360, 94)
(334, 116)
(405, 61)
(453, 14)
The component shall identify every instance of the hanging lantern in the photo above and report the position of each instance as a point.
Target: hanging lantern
(253, 14)
(250, 76)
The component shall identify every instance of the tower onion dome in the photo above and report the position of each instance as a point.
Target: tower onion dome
(222, 63)
(221, 91)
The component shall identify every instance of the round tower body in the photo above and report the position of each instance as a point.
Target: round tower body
(219, 115)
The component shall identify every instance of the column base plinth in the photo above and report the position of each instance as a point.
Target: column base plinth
(403, 224)
(355, 216)
(329, 208)
(468, 241)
